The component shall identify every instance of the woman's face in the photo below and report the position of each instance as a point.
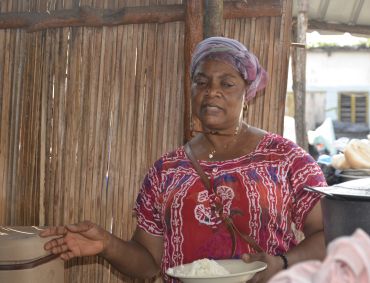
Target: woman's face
(217, 95)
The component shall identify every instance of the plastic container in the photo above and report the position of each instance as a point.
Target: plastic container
(23, 258)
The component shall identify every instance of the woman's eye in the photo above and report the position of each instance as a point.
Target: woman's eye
(200, 83)
(227, 84)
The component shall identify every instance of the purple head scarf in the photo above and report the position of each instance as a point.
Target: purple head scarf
(237, 55)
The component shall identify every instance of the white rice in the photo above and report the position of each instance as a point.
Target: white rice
(201, 267)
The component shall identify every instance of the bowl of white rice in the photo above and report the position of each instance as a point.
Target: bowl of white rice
(216, 271)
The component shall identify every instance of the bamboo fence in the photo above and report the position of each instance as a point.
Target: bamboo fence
(85, 111)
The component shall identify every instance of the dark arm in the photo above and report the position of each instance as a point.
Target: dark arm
(313, 246)
(138, 258)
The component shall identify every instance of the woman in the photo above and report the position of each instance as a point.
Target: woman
(244, 208)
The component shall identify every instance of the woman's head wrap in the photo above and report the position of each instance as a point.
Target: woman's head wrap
(237, 55)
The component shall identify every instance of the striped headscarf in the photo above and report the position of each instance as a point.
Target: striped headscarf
(237, 55)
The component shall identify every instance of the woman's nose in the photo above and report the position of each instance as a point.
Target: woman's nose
(213, 89)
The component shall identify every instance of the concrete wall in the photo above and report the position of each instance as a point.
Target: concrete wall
(331, 71)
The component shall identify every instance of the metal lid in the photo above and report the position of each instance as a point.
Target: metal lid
(355, 188)
(21, 244)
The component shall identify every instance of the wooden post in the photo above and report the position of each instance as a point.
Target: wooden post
(193, 35)
(213, 17)
(299, 74)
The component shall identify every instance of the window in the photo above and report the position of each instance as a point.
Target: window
(353, 107)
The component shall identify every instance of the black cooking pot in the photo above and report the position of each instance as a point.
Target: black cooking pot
(342, 215)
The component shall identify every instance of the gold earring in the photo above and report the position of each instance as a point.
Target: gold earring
(245, 107)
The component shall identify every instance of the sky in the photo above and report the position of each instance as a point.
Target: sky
(345, 39)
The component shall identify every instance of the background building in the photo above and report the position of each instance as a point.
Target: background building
(338, 87)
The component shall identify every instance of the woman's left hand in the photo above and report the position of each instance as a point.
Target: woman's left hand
(274, 265)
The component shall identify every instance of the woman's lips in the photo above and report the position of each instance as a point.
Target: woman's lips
(211, 106)
(211, 109)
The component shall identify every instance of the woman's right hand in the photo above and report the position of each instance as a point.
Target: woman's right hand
(82, 239)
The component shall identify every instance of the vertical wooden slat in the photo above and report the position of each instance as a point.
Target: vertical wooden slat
(61, 127)
(129, 100)
(276, 81)
(53, 113)
(86, 56)
(286, 26)
(16, 105)
(5, 124)
(74, 120)
(270, 65)
(21, 87)
(116, 136)
(49, 162)
(45, 89)
(176, 93)
(2, 129)
(122, 123)
(31, 186)
(193, 35)
(89, 71)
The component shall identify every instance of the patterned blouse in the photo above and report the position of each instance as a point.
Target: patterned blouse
(263, 192)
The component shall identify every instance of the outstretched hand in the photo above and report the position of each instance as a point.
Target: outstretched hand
(274, 265)
(82, 239)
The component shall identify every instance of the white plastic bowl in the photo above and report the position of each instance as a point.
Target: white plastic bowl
(240, 271)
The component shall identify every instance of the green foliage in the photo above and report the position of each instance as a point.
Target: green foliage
(368, 42)
(363, 44)
(323, 44)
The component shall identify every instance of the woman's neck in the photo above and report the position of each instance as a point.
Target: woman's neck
(221, 144)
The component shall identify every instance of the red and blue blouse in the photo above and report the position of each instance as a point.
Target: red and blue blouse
(262, 192)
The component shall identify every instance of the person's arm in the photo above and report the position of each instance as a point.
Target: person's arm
(140, 257)
(312, 247)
